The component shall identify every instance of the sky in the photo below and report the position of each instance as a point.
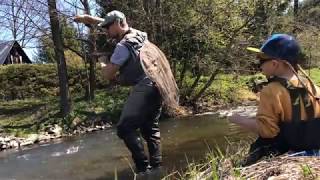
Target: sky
(64, 6)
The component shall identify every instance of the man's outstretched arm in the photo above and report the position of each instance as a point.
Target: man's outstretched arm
(87, 19)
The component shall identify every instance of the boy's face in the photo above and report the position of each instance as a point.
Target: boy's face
(268, 65)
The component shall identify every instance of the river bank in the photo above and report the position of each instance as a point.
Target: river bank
(53, 133)
(273, 168)
(33, 121)
(9, 141)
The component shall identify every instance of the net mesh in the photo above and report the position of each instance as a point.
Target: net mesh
(157, 68)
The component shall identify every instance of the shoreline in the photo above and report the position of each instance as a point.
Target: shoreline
(12, 142)
(55, 131)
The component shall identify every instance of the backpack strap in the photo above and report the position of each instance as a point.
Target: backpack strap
(296, 94)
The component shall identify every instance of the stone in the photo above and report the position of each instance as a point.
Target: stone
(33, 138)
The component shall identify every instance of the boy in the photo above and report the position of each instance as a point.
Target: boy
(289, 108)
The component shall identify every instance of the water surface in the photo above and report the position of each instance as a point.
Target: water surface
(99, 155)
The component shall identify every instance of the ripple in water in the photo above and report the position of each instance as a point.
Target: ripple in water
(70, 150)
(25, 157)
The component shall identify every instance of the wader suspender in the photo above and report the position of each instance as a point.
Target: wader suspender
(299, 134)
(131, 71)
(296, 93)
(294, 135)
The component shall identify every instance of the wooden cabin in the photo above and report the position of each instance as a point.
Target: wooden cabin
(12, 53)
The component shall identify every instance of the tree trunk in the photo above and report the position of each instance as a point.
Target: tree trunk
(295, 8)
(225, 55)
(212, 78)
(194, 85)
(92, 65)
(295, 14)
(92, 59)
(14, 19)
(183, 72)
(61, 63)
(174, 68)
(184, 68)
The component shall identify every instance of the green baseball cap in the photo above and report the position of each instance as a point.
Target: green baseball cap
(111, 17)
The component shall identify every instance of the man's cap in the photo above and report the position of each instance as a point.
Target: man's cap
(112, 17)
(280, 46)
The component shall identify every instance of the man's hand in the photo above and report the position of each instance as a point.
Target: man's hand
(109, 70)
(102, 64)
(102, 61)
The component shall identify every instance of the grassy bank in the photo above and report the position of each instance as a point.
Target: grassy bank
(218, 164)
(22, 117)
(227, 165)
(32, 115)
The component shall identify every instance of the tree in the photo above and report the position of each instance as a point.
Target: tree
(295, 7)
(59, 54)
(46, 52)
(22, 20)
(92, 58)
(88, 48)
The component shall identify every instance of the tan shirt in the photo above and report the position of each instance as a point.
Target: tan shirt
(275, 107)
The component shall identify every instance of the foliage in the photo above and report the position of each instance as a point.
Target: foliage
(219, 164)
(39, 80)
(227, 88)
(315, 75)
(204, 36)
(46, 52)
(306, 171)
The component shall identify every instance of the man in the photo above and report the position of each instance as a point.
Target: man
(143, 106)
(288, 117)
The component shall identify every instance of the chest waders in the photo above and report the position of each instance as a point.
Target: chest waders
(140, 114)
(294, 135)
(300, 134)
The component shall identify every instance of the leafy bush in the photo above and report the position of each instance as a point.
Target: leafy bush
(39, 80)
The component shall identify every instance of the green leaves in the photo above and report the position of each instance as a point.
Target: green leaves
(39, 80)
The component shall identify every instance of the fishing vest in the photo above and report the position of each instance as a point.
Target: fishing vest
(131, 71)
(299, 134)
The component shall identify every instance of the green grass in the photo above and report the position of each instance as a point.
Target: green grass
(315, 75)
(21, 117)
(306, 171)
(216, 164)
